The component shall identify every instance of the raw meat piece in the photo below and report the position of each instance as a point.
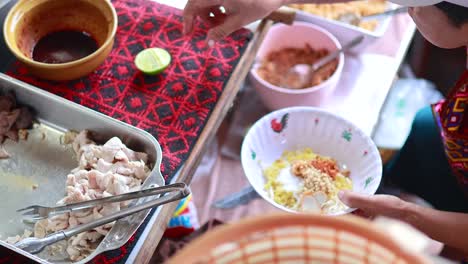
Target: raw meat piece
(103, 171)
(17, 238)
(12, 118)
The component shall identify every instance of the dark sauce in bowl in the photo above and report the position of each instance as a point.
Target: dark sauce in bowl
(64, 46)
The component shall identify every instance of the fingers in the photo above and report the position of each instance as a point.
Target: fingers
(195, 8)
(190, 13)
(355, 200)
(231, 24)
(188, 23)
(384, 205)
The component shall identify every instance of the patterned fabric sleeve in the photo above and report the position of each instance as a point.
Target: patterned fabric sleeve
(452, 121)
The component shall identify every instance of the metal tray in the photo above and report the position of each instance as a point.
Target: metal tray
(345, 32)
(43, 160)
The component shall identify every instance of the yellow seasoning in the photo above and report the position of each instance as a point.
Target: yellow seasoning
(153, 61)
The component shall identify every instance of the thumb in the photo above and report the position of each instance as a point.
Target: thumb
(223, 30)
(355, 200)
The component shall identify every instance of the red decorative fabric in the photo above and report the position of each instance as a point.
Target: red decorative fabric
(450, 115)
(10, 257)
(173, 106)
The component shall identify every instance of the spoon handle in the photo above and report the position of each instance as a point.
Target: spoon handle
(386, 13)
(325, 60)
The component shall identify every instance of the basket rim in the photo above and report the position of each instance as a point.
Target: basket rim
(230, 231)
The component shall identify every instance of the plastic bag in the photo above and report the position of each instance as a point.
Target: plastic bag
(184, 220)
(405, 99)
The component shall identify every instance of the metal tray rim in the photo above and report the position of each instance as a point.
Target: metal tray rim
(81, 108)
(378, 33)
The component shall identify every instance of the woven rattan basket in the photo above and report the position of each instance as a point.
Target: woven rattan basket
(288, 238)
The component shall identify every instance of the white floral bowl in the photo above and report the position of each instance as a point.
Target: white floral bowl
(326, 134)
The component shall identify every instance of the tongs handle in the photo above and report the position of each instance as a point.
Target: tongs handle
(182, 193)
(36, 245)
(117, 198)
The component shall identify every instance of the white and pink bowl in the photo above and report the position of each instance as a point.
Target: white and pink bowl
(297, 128)
(297, 36)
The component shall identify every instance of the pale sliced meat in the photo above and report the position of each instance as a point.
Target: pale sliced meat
(103, 166)
(111, 148)
(135, 156)
(83, 213)
(140, 170)
(72, 221)
(120, 156)
(81, 174)
(136, 169)
(118, 188)
(102, 230)
(71, 180)
(86, 219)
(17, 238)
(12, 119)
(73, 252)
(103, 171)
(13, 240)
(58, 223)
(74, 195)
(88, 158)
(81, 245)
(103, 180)
(110, 209)
(81, 140)
(40, 228)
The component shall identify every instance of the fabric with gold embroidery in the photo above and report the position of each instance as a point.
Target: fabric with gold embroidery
(452, 119)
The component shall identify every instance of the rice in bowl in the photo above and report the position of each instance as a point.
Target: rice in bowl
(307, 182)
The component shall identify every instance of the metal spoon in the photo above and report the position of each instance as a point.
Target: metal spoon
(354, 19)
(305, 72)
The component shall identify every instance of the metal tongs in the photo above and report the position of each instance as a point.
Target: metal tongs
(35, 245)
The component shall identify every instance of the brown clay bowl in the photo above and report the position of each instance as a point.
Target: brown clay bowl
(30, 20)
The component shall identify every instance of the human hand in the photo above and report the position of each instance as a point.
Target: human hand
(238, 14)
(382, 205)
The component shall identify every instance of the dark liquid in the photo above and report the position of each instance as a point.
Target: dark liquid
(64, 46)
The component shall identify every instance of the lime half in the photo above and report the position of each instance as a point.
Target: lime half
(153, 61)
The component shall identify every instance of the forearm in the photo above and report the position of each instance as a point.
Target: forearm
(448, 228)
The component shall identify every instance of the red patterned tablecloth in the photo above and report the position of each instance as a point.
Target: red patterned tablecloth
(173, 106)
